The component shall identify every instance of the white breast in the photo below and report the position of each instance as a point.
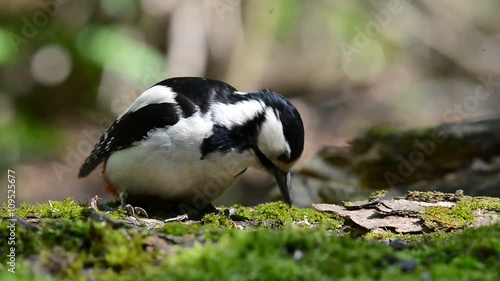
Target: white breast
(168, 164)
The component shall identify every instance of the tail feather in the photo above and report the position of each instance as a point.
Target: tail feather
(90, 164)
(100, 153)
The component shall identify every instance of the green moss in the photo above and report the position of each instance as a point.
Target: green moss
(305, 254)
(275, 214)
(290, 254)
(23, 272)
(196, 231)
(433, 196)
(217, 220)
(85, 249)
(479, 246)
(376, 195)
(459, 216)
(409, 237)
(97, 251)
(272, 215)
(444, 218)
(484, 203)
(241, 212)
(67, 247)
(68, 209)
(348, 204)
(278, 215)
(62, 209)
(179, 228)
(377, 235)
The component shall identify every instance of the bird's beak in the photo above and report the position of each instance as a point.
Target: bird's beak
(284, 183)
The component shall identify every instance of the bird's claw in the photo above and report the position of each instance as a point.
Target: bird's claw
(135, 211)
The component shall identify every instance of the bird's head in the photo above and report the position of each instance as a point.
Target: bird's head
(279, 140)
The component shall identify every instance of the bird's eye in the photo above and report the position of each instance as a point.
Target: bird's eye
(284, 157)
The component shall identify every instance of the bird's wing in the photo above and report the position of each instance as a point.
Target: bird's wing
(155, 108)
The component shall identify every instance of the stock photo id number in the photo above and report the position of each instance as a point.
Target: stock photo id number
(11, 207)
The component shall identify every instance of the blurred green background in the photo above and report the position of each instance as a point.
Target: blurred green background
(68, 68)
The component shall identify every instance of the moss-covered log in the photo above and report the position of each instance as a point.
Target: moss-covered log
(445, 158)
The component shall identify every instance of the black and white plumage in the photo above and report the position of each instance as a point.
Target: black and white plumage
(189, 139)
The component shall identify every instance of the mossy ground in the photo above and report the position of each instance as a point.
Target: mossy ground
(272, 215)
(458, 217)
(268, 242)
(68, 209)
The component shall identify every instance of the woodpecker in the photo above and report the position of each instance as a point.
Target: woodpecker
(189, 139)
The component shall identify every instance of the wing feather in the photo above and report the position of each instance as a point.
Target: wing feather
(129, 128)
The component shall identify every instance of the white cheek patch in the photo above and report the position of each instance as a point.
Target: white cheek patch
(271, 140)
(230, 115)
(153, 95)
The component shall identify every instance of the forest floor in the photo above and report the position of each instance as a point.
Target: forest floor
(421, 236)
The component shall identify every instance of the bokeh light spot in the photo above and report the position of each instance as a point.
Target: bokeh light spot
(51, 65)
